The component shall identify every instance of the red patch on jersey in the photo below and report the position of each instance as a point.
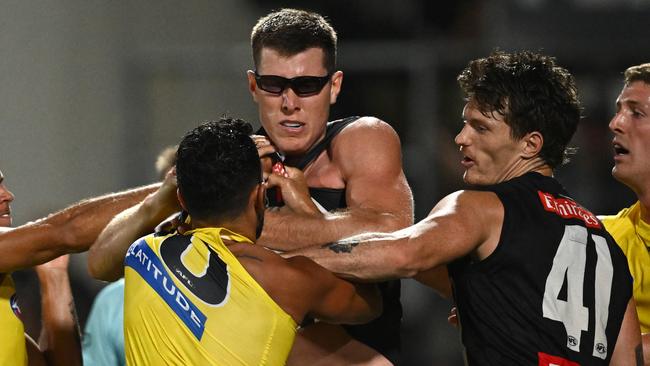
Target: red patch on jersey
(548, 360)
(568, 209)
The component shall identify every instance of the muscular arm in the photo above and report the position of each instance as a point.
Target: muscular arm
(59, 340)
(314, 290)
(367, 156)
(106, 256)
(70, 230)
(335, 300)
(462, 223)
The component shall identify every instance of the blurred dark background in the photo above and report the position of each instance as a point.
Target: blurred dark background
(91, 91)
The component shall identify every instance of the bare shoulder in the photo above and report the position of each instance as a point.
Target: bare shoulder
(292, 283)
(267, 267)
(476, 216)
(480, 205)
(368, 127)
(373, 143)
(472, 197)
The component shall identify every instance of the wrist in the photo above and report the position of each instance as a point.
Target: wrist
(153, 210)
(311, 209)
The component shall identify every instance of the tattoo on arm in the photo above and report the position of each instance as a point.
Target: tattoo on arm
(342, 246)
(638, 351)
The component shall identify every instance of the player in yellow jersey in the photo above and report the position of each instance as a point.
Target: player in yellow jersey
(210, 296)
(631, 227)
(71, 230)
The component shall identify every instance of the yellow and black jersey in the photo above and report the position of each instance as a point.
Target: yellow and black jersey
(188, 301)
(12, 332)
(633, 236)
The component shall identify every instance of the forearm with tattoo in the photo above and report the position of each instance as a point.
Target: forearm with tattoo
(342, 246)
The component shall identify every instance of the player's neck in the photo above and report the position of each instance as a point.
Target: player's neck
(237, 225)
(522, 167)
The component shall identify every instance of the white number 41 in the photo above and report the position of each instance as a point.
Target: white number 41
(570, 260)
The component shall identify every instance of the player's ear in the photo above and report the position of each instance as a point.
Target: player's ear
(532, 144)
(252, 84)
(181, 200)
(337, 83)
(258, 197)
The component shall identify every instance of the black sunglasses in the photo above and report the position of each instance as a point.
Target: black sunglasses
(303, 86)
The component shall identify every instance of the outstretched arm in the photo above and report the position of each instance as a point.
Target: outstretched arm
(70, 230)
(106, 256)
(463, 222)
(367, 155)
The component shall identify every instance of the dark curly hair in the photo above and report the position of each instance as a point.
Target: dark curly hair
(532, 92)
(291, 31)
(217, 167)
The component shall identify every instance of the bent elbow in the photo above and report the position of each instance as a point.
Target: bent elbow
(94, 269)
(97, 267)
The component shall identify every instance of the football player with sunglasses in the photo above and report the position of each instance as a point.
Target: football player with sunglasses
(352, 167)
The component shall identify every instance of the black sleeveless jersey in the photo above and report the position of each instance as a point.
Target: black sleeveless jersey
(555, 289)
(383, 333)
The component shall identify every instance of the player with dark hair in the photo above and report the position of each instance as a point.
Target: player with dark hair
(210, 296)
(631, 226)
(536, 278)
(294, 83)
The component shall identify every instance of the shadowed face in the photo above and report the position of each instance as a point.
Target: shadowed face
(631, 128)
(294, 123)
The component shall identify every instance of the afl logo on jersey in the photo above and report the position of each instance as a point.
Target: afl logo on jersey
(13, 301)
(210, 282)
(573, 342)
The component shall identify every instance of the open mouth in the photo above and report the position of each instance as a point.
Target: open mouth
(620, 150)
(5, 216)
(467, 161)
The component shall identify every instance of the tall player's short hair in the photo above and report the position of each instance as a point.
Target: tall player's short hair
(532, 92)
(217, 167)
(291, 31)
